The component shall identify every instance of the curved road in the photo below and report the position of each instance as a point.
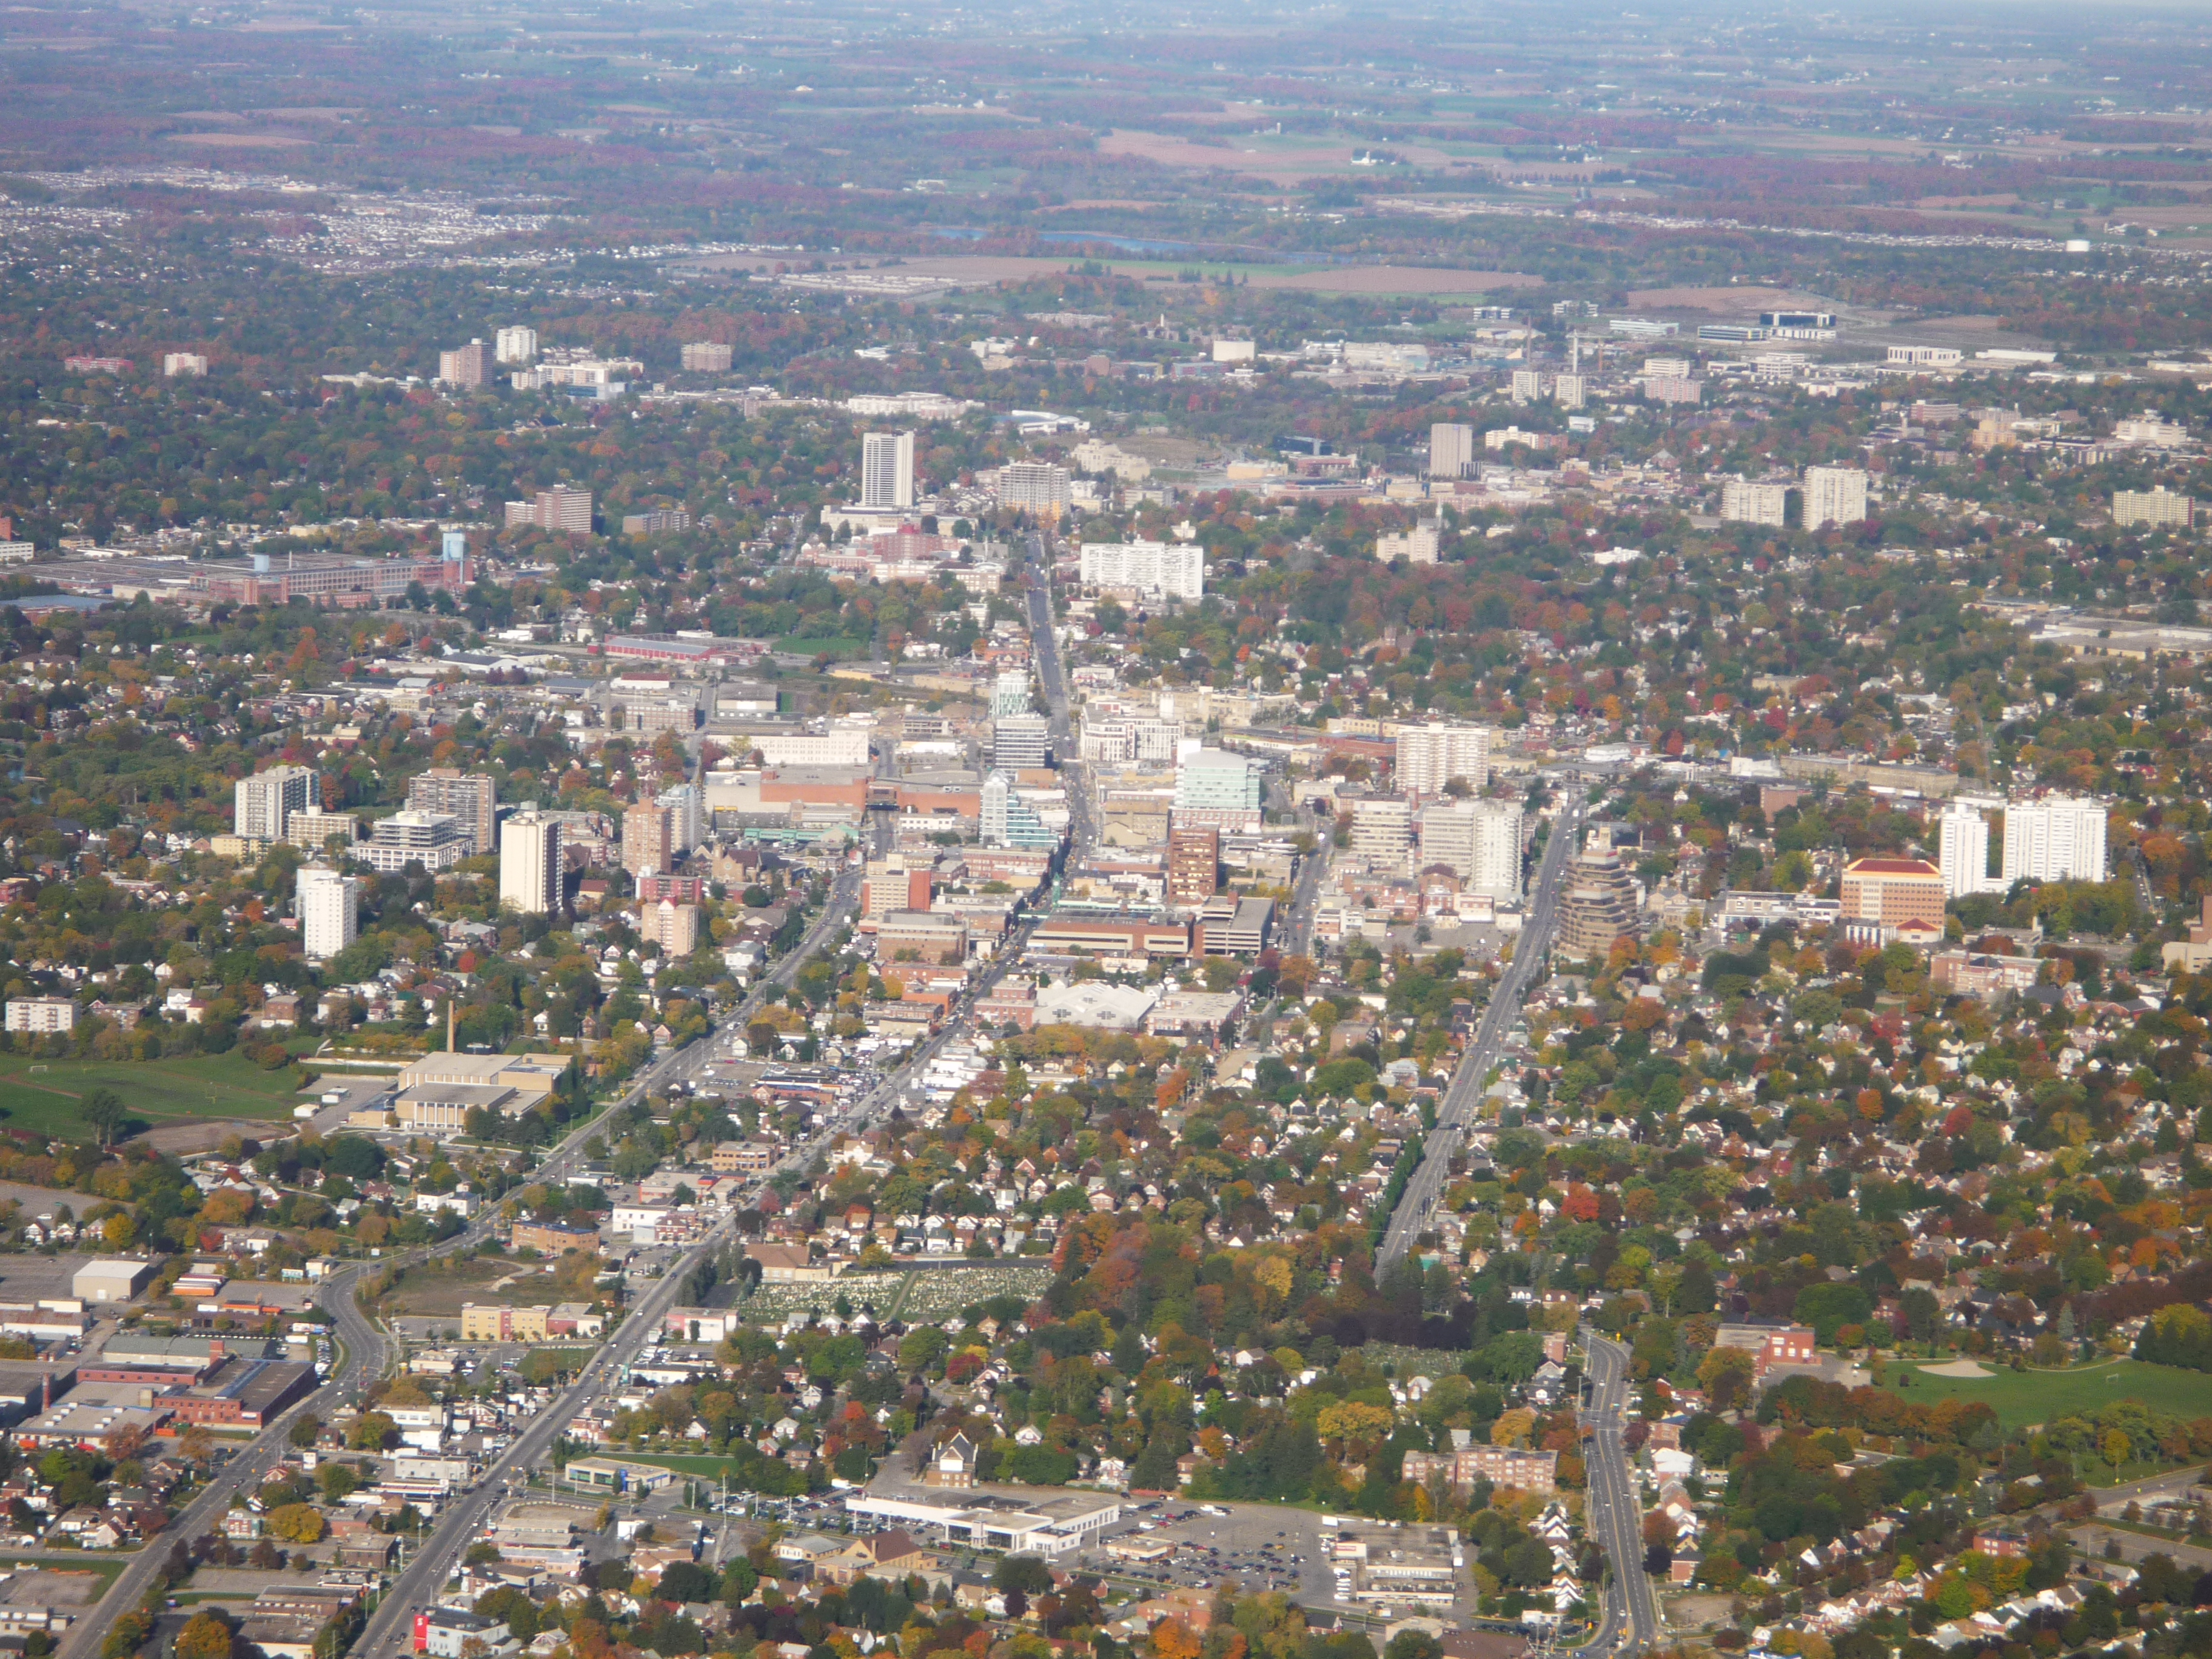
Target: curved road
(1615, 1518)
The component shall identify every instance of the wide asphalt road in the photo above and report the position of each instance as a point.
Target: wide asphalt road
(1615, 1516)
(1419, 1200)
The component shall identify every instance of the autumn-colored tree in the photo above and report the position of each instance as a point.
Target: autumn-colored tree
(205, 1637)
(1513, 1428)
(296, 1523)
(1353, 1420)
(1174, 1639)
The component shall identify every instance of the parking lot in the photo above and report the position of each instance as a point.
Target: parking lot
(1257, 1546)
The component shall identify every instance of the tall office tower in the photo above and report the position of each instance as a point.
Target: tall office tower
(1963, 851)
(1223, 787)
(707, 357)
(262, 804)
(467, 796)
(1009, 694)
(530, 864)
(887, 469)
(1745, 502)
(1194, 863)
(1382, 831)
(1431, 756)
(1834, 495)
(1451, 450)
(1018, 741)
(1569, 390)
(327, 905)
(514, 345)
(674, 928)
(647, 840)
(686, 817)
(2054, 840)
(469, 366)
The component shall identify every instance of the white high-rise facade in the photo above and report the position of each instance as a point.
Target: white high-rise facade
(1834, 495)
(263, 803)
(1429, 756)
(1176, 569)
(991, 817)
(686, 816)
(1451, 450)
(1963, 852)
(1382, 831)
(2055, 839)
(887, 469)
(530, 864)
(1478, 841)
(1010, 695)
(1743, 502)
(514, 345)
(328, 906)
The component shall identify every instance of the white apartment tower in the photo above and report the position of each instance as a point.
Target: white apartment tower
(328, 907)
(1451, 450)
(514, 345)
(1478, 841)
(1418, 546)
(1431, 755)
(1174, 569)
(1037, 487)
(530, 864)
(262, 803)
(1963, 851)
(2055, 839)
(887, 469)
(1834, 495)
(1745, 502)
(1382, 831)
(687, 816)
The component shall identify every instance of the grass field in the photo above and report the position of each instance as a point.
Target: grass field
(2021, 1398)
(42, 1096)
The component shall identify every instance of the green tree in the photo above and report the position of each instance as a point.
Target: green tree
(103, 1110)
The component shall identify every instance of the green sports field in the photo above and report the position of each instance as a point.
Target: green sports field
(41, 1095)
(2021, 1398)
